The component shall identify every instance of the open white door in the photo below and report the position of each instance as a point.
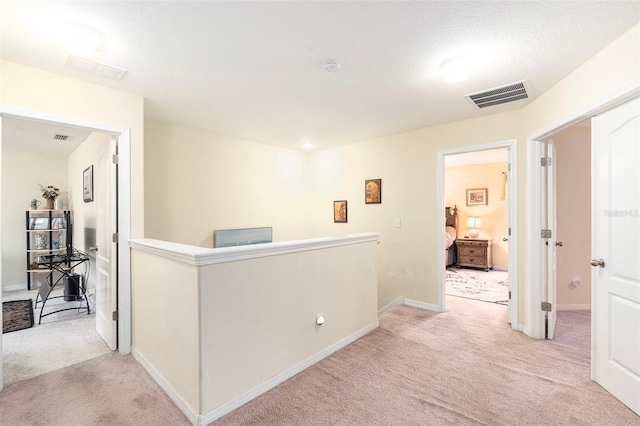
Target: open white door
(106, 255)
(615, 340)
(551, 245)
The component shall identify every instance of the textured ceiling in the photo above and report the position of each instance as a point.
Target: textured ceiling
(253, 70)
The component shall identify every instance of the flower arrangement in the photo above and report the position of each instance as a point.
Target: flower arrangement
(50, 192)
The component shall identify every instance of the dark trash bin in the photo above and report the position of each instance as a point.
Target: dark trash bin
(71, 287)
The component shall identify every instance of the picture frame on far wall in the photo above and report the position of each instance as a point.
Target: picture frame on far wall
(87, 184)
(340, 211)
(373, 191)
(477, 197)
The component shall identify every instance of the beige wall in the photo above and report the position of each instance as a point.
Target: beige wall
(495, 217)
(85, 215)
(198, 181)
(573, 203)
(21, 174)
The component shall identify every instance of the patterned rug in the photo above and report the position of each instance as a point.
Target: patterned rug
(492, 286)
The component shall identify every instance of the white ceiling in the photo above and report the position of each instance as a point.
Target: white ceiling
(253, 70)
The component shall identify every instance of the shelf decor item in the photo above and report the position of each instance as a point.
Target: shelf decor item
(42, 242)
(49, 193)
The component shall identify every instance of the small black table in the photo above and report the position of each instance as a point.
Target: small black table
(65, 265)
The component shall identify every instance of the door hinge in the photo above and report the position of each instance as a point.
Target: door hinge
(509, 167)
(509, 295)
(114, 237)
(546, 161)
(114, 158)
(509, 231)
(115, 316)
(545, 233)
(546, 306)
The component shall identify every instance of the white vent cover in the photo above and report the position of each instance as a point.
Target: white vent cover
(93, 67)
(500, 95)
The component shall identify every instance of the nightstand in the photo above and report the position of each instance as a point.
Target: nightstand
(474, 253)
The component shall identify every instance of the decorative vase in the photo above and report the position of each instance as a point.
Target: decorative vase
(59, 204)
(42, 242)
(50, 204)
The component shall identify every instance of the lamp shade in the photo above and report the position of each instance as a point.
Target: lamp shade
(474, 222)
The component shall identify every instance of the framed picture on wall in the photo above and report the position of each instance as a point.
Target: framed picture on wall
(373, 191)
(87, 184)
(477, 197)
(340, 211)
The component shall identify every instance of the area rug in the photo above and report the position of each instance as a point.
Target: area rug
(492, 286)
(17, 315)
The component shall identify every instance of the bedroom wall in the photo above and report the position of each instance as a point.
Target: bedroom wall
(198, 181)
(573, 204)
(495, 218)
(22, 172)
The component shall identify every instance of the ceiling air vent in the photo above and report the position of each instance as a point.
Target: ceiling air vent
(500, 95)
(57, 137)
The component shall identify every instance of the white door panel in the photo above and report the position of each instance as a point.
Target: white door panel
(550, 244)
(616, 240)
(106, 286)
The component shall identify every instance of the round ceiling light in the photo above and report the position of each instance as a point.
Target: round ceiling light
(454, 70)
(83, 40)
(331, 66)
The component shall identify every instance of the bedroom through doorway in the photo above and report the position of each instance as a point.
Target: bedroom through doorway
(479, 205)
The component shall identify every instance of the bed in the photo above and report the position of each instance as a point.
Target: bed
(451, 233)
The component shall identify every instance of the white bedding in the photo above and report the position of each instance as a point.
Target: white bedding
(449, 236)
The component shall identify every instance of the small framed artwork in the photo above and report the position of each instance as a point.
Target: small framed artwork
(477, 197)
(87, 184)
(340, 211)
(39, 223)
(373, 191)
(58, 223)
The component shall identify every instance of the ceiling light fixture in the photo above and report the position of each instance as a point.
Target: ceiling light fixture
(454, 70)
(331, 66)
(308, 145)
(83, 40)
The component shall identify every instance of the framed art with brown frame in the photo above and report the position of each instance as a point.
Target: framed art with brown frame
(477, 197)
(373, 191)
(340, 211)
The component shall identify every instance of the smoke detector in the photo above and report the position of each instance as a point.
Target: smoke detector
(331, 66)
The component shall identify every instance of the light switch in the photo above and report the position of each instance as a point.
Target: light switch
(397, 223)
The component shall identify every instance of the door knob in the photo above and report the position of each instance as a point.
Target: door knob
(505, 239)
(597, 262)
(93, 248)
(558, 243)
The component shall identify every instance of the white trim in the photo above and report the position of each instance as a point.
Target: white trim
(422, 305)
(398, 301)
(535, 320)
(186, 409)
(533, 297)
(574, 307)
(200, 256)
(17, 287)
(512, 199)
(237, 402)
(501, 268)
(124, 207)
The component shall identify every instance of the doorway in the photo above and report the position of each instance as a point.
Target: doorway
(504, 230)
(123, 210)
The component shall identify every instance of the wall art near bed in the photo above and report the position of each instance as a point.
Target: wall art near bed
(340, 211)
(477, 197)
(373, 191)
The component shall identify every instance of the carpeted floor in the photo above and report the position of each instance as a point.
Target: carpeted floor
(63, 339)
(491, 286)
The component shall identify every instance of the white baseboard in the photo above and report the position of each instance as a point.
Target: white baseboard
(574, 307)
(398, 301)
(231, 405)
(500, 268)
(17, 287)
(191, 415)
(421, 305)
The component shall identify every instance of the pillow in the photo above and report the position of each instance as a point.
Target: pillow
(452, 231)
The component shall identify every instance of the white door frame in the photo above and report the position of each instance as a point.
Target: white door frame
(512, 201)
(124, 210)
(536, 280)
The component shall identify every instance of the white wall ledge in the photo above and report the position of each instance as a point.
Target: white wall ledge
(200, 256)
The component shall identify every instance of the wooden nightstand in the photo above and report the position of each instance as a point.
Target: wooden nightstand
(474, 253)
